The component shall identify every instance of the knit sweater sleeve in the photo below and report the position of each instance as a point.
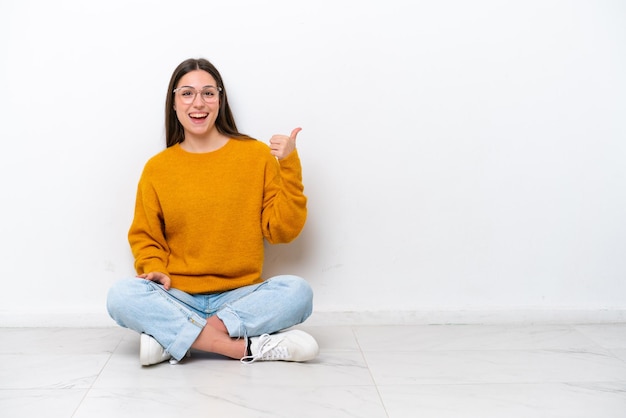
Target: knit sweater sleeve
(284, 204)
(146, 235)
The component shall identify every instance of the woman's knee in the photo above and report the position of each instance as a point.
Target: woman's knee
(298, 292)
(296, 286)
(121, 294)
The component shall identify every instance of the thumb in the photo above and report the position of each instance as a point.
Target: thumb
(294, 133)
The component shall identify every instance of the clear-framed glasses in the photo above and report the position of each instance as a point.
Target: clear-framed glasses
(187, 94)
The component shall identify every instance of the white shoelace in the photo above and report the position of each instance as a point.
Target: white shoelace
(267, 349)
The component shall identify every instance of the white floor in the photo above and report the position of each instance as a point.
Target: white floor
(363, 371)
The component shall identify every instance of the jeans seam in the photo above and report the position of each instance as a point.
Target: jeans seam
(241, 329)
(190, 315)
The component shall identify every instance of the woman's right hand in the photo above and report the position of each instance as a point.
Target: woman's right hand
(158, 277)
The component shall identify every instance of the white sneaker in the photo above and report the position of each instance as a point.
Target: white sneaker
(294, 345)
(151, 352)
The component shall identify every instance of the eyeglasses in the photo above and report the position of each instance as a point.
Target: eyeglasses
(187, 94)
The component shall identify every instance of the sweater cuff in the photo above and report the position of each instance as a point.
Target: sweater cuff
(151, 267)
(290, 161)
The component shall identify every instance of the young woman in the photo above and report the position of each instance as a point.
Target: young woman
(204, 206)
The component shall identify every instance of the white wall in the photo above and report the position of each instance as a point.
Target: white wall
(463, 160)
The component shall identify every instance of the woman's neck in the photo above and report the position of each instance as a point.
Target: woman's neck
(204, 144)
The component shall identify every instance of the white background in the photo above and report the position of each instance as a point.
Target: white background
(459, 156)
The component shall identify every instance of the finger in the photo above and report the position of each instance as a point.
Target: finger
(160, 279)
(275, 145)
(150, 276)
(294, 133)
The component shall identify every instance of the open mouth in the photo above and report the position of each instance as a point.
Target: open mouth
(198, 116)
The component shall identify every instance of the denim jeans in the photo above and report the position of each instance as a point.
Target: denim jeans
(175, 318)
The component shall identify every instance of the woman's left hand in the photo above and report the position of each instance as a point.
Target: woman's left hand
(283, 145)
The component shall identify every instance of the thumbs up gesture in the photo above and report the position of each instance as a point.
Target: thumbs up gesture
(283, 145)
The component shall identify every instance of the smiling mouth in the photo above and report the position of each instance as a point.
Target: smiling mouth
(198, 115)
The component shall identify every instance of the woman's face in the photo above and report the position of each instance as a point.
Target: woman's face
(197, 103)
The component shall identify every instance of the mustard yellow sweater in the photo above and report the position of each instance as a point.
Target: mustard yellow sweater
(201, 218)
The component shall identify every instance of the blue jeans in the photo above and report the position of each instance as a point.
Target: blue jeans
(175, 318)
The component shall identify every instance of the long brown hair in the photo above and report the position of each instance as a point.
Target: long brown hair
(225, 122)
